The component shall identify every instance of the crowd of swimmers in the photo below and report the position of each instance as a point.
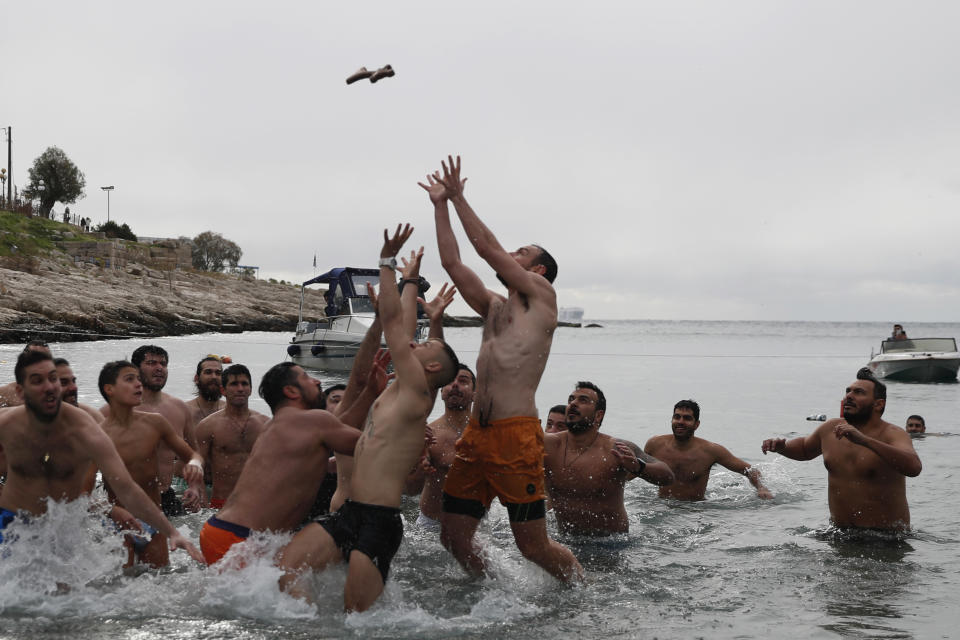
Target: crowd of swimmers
(331, 467)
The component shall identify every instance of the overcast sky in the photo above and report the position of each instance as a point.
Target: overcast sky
(689, 160)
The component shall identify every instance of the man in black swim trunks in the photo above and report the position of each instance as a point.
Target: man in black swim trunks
(367, 530)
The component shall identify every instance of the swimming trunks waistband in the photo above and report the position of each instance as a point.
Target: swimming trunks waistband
(217, 536)
(6, 517)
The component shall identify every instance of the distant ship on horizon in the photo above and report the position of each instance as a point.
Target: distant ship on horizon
(570, 315)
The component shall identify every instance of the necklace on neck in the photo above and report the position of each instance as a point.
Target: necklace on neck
(243, 427)
(566, 446)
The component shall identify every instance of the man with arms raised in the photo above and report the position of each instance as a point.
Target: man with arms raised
(136, 436)
(586, 470)
(691, 458)
(69, 390)
(367, 530)
(49, 447)
(209, 398)
(280, 478)
(867, 459)
(226, 437)
(501, 451)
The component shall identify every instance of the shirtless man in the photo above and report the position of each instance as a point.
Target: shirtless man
(280, 478)
(368, 530)
(136, 436)
(916, 425)
(332, 396)
(501, 451)
(586, 470)
(226, 437)
(8, 392)
(556, 419)
(49, 446)
(428, 479)
(209, 398)
(69, 390)
(152, 362)
(691, 458)
(867, 459)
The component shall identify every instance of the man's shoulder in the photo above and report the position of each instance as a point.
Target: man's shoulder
(150, 419)
(657, 441)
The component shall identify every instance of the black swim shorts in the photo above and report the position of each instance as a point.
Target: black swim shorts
(371, 529)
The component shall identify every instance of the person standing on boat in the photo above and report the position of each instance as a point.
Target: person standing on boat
(867, 459)
(586, 470)
(501, 451)
(898, 333)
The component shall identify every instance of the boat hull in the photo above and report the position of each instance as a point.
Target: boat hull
(917, 368)
(332, 347)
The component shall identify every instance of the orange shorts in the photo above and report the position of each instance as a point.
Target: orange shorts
(217, 536)
(503, 460)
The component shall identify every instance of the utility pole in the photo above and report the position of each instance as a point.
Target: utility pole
(10, 166)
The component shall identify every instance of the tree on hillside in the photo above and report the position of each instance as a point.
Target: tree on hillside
(212, 252)
(114, 230)
(62, 180)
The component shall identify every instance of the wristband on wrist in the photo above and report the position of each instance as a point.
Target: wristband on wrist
(407, 281)
(643, 465)
(196, 464)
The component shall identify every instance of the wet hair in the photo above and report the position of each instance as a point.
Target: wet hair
(879, 389)
(689, 404)
(559, 408)
(30, 346)
(455, 365)
(547, 261)
(473, 376)
(336, 387)
(140, 354)
(207, 359)
(234, 370)
(273, 382)
(109, 374)
(916, 417)
(60, 362)
(601, 399)
(26, 359)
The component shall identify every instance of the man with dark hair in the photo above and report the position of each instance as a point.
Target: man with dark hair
(209, 398)
(8, 392)
(867, 459)
(280, 477)
(367, 530)
(556, 419)
(586, 470)
(226, 437)
(501, 451)
(691, 458)
(69, 390)
(916, 425)
(152, 362)
(332, 396)
(48, 447)
(136, 436)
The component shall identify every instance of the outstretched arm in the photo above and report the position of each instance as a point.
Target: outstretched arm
(405, 364)
(363, 361)
(469, 283)
(435, 308)
(642, 465)
(802, 448)
(410, 286)
(732, 462)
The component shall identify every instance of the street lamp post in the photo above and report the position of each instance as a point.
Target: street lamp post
(41, 187)
(108, 190)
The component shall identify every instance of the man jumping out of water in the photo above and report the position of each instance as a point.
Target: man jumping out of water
(48, 447)
(501, 451)
(367, 530)
(867, 459)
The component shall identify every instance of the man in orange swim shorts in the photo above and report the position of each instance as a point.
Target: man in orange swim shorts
(501, 451)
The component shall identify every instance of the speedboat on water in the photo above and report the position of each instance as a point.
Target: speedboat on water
(917, 360)
(331, 343)
(570, 315)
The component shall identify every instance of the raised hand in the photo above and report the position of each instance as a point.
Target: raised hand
(372, 294)
(777, 445)
(627, 457)
(452, 184)
(392, 246)
(411, 267)
(378, 377)
(435, 308)
(435, 188)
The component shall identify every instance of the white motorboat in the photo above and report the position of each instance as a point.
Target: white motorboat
(331, 343)
(917, 360)
(570, 315)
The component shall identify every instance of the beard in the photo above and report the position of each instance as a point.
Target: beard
(209, 391)
(317, 402)
(40, 413)
(70, 398)
(857, 417)
(153, 386)
(455, 402)
(580, 426)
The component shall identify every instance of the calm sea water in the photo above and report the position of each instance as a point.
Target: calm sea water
(729, 567)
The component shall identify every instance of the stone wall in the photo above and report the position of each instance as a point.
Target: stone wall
(114, 253)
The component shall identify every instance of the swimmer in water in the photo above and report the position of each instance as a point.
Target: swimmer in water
(209, 398)
(136, 436)
(68, 385)
(367, 530)
(586, 470)
(8, 392)
(867, 459)
(226, 437)
(48, 448)
(691, 458)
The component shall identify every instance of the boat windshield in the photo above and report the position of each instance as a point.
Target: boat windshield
(360, 283)
(920, 344)
(361, 304)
